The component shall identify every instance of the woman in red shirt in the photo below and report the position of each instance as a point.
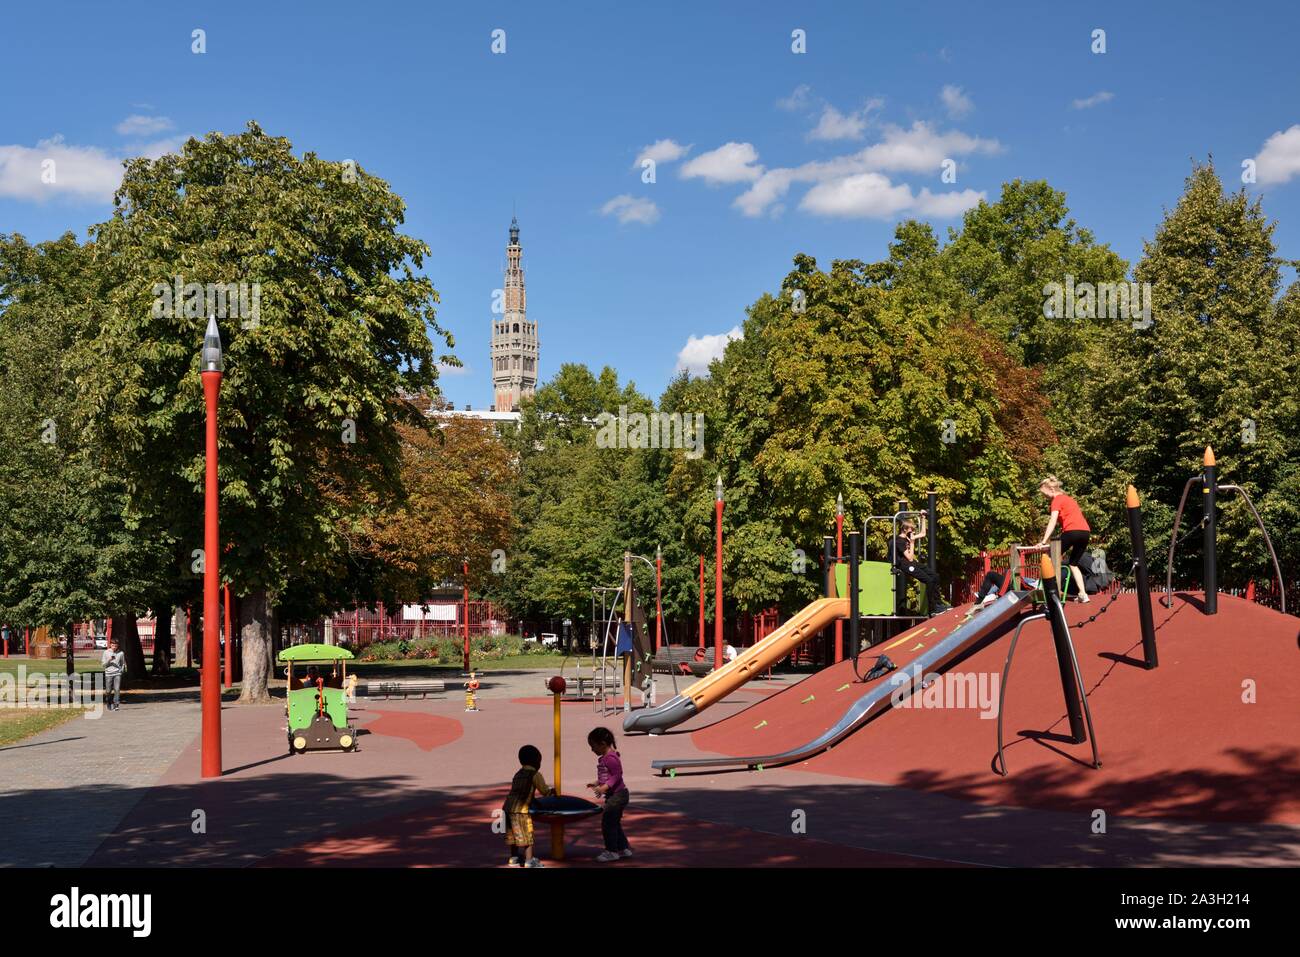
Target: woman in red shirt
(1074, 530)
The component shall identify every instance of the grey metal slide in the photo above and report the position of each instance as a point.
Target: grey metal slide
(878, 693)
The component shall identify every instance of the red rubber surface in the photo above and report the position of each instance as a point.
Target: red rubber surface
(426, 731)
(1176, 742)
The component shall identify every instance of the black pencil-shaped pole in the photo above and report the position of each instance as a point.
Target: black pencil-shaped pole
(855, 553)
(931, 532)
(1209, 480)
(1140, 579)
(1064, 660)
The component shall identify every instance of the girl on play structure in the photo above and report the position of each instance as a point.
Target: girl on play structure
(1074, 530)
(609, 782)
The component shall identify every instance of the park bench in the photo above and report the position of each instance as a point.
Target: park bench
(400, 689)
(680, 659)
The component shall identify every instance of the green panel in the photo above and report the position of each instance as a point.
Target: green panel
(315, 653)
(875, 587)
(336, 706)
(302, 706)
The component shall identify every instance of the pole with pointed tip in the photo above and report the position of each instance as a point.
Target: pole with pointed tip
(659, 597)
(1064, 656)
(839, 557)
(212, 366)
(1210, 558)
(717, 575)
(1138, 539)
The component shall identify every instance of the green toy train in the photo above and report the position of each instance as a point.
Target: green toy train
(317, 704)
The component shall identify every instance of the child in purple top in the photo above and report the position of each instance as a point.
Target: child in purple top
(609, 782)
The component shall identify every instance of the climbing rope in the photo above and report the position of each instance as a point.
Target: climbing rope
(1114, 596)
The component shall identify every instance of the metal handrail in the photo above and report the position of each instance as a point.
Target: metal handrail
(1168, 600)
(1281, 583)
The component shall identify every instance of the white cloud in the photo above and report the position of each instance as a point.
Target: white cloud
(631, 209)
(137, 125)
(699, 351)
(874, 196)
(796, 100)
(922, 150)
(835, 125)
(947, 205)
(83, 173)
(661, 151)
(956, 102)
(1279, 159)
(1088, 102)
(919, 149)
(869, 195)
(767, 189)
(80, 172)
(729, 163)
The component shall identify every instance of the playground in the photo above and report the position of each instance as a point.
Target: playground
(1157, 730)
(1190, 774)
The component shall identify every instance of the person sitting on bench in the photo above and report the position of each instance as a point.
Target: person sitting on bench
(902, 555)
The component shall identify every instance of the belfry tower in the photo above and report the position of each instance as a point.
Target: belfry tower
(514, 338)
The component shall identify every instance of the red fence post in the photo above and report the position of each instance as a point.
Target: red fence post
(701, 601)
(465, 582)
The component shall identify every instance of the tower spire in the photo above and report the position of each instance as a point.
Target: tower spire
(514, 338)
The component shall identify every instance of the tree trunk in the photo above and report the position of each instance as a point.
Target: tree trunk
(255, 636)
(195, 638)
(127, 634)
(162, 640)
(180, 637)
(72, 665)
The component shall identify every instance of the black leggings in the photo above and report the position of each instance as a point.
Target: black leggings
(1076, 543)
(991, 581)
(926, 577)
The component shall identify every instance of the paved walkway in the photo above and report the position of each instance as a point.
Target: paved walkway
(64, 790)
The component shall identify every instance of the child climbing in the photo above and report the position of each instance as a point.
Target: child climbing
(1075, 530)
(902, 555)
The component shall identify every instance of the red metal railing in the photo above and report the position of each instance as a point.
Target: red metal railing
(361, 627)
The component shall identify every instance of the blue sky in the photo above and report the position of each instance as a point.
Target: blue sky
(829, 149)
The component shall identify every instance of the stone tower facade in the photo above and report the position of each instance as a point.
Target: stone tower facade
(514, 338)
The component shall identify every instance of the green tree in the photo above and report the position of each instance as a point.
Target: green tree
(316, 372)
(1000, 262)
(67, 553)
(1216, 367)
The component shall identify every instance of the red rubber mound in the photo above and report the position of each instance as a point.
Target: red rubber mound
(792, 720)
(1183, 741)
(425, 731)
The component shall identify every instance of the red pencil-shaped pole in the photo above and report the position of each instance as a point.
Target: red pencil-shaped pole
(212, 367)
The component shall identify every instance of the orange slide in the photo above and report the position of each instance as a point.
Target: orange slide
(716, 685)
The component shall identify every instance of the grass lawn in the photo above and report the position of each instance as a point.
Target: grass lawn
(48, 666)
(19, 723)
